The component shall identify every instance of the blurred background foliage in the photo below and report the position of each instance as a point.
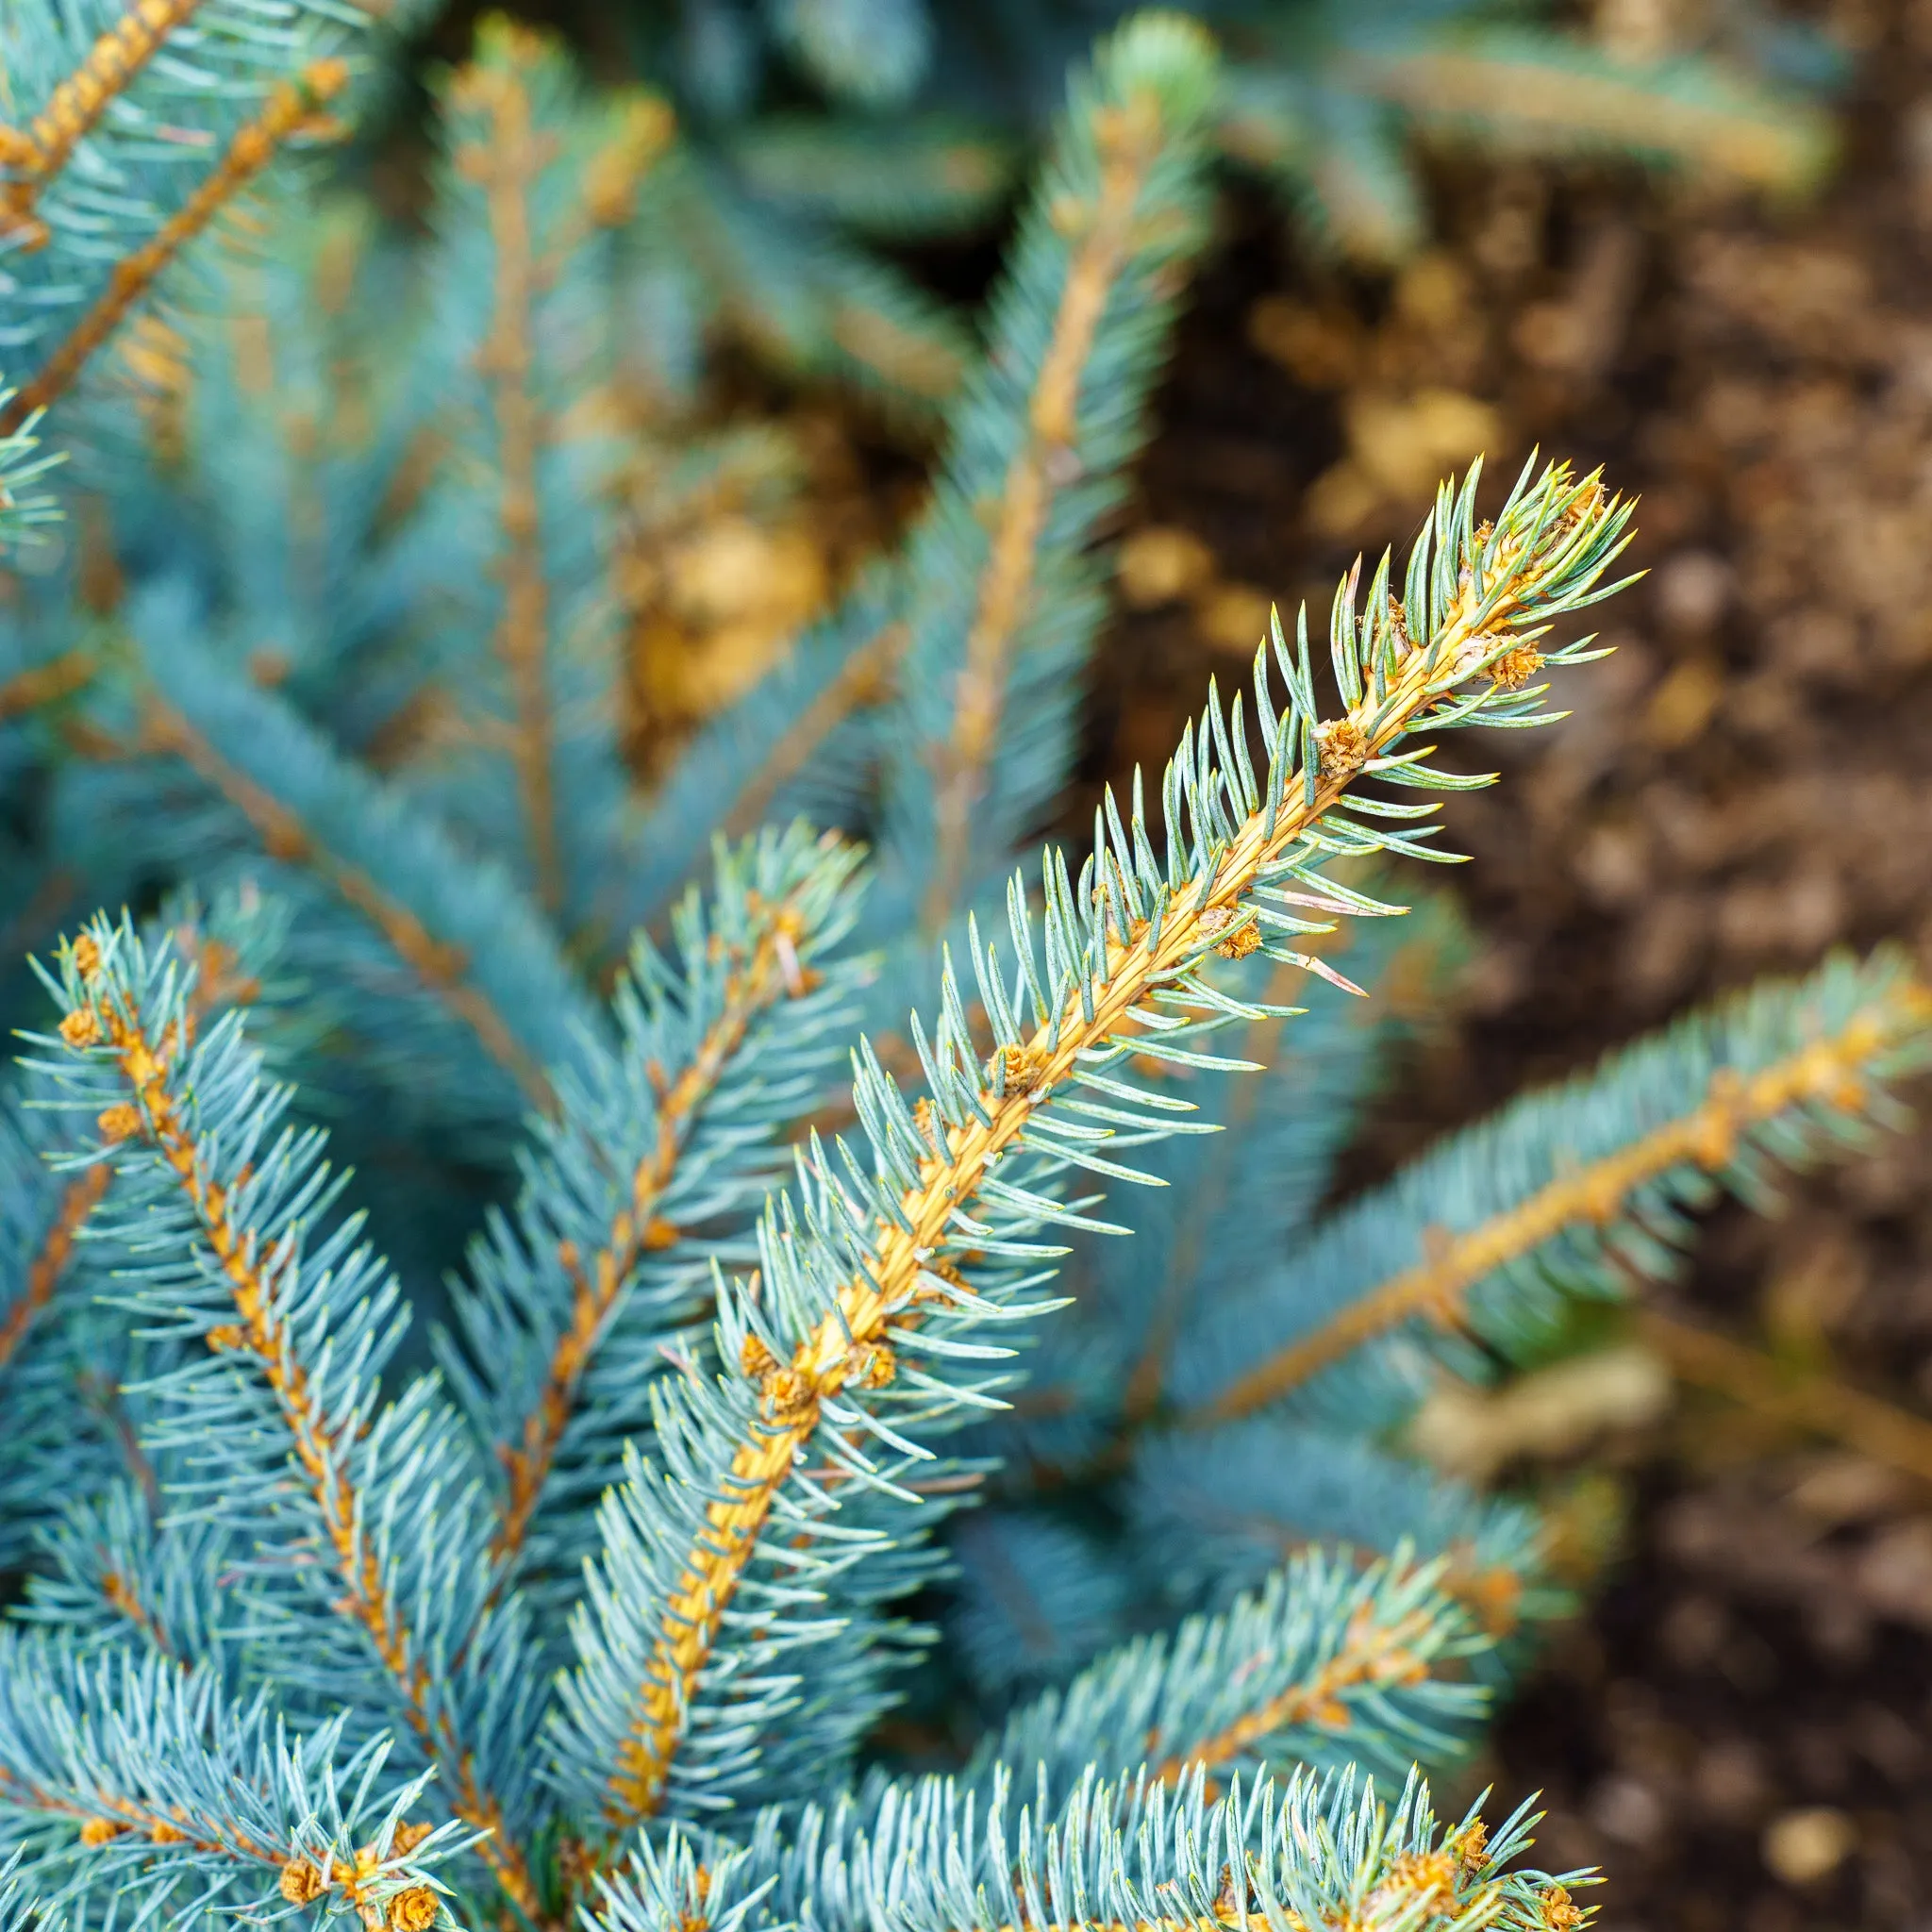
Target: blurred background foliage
(830, 182)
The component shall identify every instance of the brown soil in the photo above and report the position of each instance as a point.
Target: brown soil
(1746, 784)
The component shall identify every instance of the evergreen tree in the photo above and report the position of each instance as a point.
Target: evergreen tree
(896, 1266)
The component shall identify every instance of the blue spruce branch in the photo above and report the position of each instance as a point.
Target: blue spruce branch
(1579, 1191)
(934, 1856)
(791, 1482)
(277, 1406)
(662, 1148)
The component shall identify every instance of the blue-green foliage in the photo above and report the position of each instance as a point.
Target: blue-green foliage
(790, 1372)
(109, 1564)
(19, 1910)
(257, 1233)
(741, 765)
(1325, 102)
(466, 902)
(25, 507)
(70, 1365)
(1322, 1850)
(1331, 97)
(871, 53)
(124, 1742)
(1223, 1504)
(1037, 1596)
(1492, 1168)
(728, 991)
(140, 161)
(1003, 591)
(516, 350)
(995, 598)
(1211, 1675)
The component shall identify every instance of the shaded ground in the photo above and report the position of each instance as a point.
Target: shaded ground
(1746, 784)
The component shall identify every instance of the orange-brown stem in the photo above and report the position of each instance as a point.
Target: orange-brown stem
(33, 156)
(1372, 1653)
(1437, 1288)
(899, 1279)
(763, 974)
(125, 1599)
(102, 1396)
(318, 1442)
(294, 108)
(285, 836)
(106, 1819)
(1128, 139)
(507, 164)
(80, 1198)
(862, 681)
(641, 131)
(60, 677)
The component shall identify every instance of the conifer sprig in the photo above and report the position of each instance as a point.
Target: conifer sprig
(1224, 1505)
(296, 111)
(120, 1573)
(516, 374)
(42, 1355)
(293, 1322)
(284, 837)
(986, 617)
(627, 1195)
(45, 684)
(859, 1273)
(802, 297)
(451, 928)
(1329, 1662)
(1004, 595)
(62, 1356)
(139, 127)
(505, 163)
(25, 509)
(190, 1799)
(1582, 1189)
(1106, 226)
(19, 1910)
(364, 658)
(791, 744)
(34, 155)
(864, 677)
(935, 1855)
(77, 1200)
(1543, 92)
